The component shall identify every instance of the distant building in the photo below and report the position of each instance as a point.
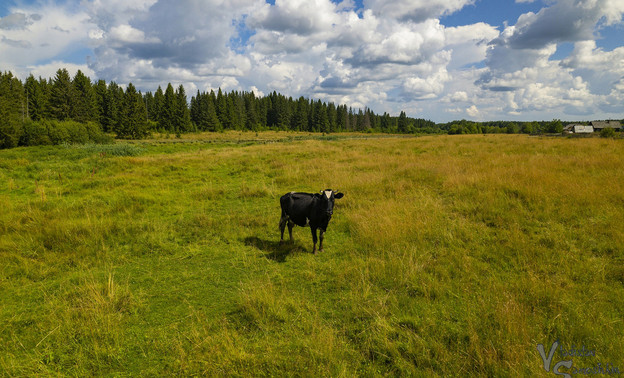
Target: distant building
(578, 129)
(599, 125)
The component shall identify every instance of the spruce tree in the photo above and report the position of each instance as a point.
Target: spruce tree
(159, 100)
(196, 111)
(300, 115)
(101, 91)
(166, 118)
(62, 96)
(132, 122)
(402, 123)
(36, 99)
(12, 110)
(230, 120)
(182, 119)
(85, 103)
(212, 120)
(112, 107)
(221, 108)
(251, 115)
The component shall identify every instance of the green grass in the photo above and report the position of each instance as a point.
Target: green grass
(448, 255)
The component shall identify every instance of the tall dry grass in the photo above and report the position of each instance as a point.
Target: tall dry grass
(448, 255)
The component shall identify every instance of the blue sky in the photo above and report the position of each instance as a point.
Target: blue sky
(437, 59)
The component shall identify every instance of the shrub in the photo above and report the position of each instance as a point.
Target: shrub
(10, 133)
(45, 132)
(607, 132)
(34, 134)
(56, 131)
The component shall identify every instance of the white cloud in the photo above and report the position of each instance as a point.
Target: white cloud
(469, 43)
(128, 34)
(389, 56)
(35, 34)
(48, 70)
(473, 111)
(301, 17)
(415, 10)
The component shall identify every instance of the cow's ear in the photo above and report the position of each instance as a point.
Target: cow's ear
(338, 195)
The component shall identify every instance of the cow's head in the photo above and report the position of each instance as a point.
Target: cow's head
(327, 200)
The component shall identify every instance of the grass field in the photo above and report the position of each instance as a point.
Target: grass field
(448, 255)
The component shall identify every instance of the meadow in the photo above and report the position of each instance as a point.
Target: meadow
(448, 255)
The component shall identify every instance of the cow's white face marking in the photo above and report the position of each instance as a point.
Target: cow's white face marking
(328, 194)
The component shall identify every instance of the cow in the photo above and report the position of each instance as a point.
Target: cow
(308, 209)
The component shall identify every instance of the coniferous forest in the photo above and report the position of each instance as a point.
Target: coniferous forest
(76, 109)
(66, 109)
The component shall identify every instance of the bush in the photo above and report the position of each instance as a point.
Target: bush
(10, 133)
(607, 132)
(34, 134)
(56, 131)
(78, 133)
(47, 132)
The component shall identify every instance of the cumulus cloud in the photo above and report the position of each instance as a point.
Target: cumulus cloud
(473, 111)
(564, 21)
(128, 34)
(301, 17)
(16, 43)
(36, 34)
(415, 10)
(17, 21)
(389, 56)
(520, 60)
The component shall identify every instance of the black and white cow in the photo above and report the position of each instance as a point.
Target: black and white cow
(308, 209)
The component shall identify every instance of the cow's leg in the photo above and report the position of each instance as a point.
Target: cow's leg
(291, 224)
(313, 239)
(321, 235)
(282, 226)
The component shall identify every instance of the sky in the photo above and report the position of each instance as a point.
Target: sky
(441, 60)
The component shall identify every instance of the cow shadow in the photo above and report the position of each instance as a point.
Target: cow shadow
(273, 249)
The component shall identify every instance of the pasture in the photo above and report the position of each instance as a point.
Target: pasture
(448, 255)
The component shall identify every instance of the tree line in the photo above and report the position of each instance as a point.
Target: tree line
(65, 101)
(74, 109)
(510, 127)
